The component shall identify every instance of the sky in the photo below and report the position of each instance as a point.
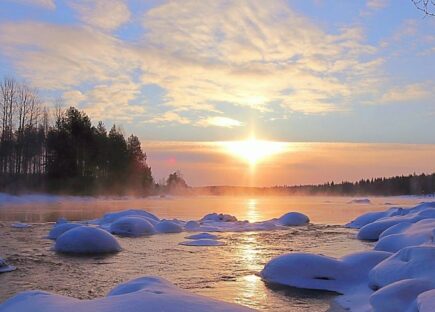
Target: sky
(205, 71)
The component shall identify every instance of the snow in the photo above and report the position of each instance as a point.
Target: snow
(4, 267)
(113, 216)
(59, 229)
(192, 225)
(86, 240)
(293, 219)
(20, 225)
(145, 294)
(202, 236)
(426, 301)
(166, 226)
(132, 226)
(203, 242)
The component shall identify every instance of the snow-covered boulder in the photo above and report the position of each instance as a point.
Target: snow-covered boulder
(293, 219)
(132, 226)
(215, 217)
(426, 301)
(408, 263)
(86, 240)
(370, 217)
(400, 296)
(4, 267)
(202, 236)
(407, 234)
(192, 225)
(113, 216)
(203, 242)
(146, 294)
(373, 230)
(61, 228)
(166, 226)
(321, 272)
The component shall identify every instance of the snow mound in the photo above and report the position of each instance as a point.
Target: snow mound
(426, 301)
(146, 294)
(370, 217)
(61, 228)
(20, 225)
(293, 219)
(202, 236)
(132, 226)
(360, 201)
(4, 267)
(166, 226)
(191, 225)
(113, 216)
(407, 234)
(312, 271)
(215, 217)
(203, 242)
(86, 240)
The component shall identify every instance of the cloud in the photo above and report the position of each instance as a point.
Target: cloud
(410, 93)
(47, 4)
(219, 121)
(377, 4)
(202, 54)
(103, 14)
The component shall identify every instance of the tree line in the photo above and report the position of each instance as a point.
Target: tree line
(61, 151)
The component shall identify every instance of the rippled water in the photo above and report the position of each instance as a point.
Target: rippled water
(227, 272)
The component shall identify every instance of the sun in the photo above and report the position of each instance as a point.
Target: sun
(253, 150)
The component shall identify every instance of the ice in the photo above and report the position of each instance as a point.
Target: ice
(132, 226)
(203, 242)
(20, 225)
(407, 234)
(59, 229)
(145, 294)
(293, 219)
(166, 226)
(86, 240)
(5, 267)
(202, 236)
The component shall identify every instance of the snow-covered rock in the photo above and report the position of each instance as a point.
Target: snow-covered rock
(293, 219)
(407, 234)
(86, 240)
(20, 225)
(215, 217)
(407, 263)
(370, 217)
(192, 225)
(166, 226)
(426, 301)
(132, 226)
(373, 230)
(4, 267)
(59, 229)
(312, 271)
(203, 242)
(113, 216)
(202, 236)
(146, 294)
(400, 296)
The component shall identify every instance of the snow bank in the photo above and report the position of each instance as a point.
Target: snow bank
(4, 267)
(59, 229)
(202, 236)
(166, 226)
(86, 240)
(132, 226)
(146, 294)
(293, 219)
(203, 242)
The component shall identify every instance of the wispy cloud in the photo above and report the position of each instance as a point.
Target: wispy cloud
(409, 93)
(48, 4)
(219, 121)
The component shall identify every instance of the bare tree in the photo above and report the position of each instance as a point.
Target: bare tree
(426, 6)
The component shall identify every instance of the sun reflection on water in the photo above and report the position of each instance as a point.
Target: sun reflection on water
(252, 212)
